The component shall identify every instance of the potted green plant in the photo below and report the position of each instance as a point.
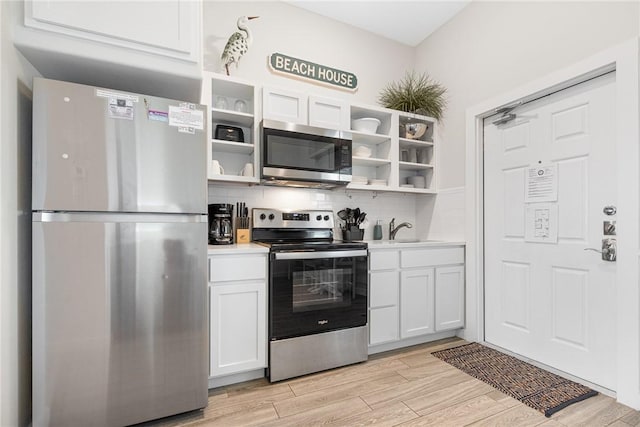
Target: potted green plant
(415, 94)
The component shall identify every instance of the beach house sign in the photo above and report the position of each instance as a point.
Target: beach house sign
(296, 67)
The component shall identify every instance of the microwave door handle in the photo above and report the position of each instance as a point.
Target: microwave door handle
(319, 254)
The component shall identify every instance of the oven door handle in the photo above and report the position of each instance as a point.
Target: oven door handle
(320, 254)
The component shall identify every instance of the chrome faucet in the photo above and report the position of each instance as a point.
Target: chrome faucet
(393, 229)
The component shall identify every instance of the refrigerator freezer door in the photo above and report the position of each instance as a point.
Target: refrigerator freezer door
(102, 150)
(119, 321)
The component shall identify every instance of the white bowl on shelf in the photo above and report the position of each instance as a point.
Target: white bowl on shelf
(366, 124)
(362, 151)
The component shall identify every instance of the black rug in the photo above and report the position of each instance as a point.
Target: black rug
(535, 387)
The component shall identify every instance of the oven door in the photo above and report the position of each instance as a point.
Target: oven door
(313, 292)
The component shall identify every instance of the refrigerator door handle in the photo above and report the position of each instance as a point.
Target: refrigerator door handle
(116, 217)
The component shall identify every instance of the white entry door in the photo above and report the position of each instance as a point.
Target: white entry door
(546, 298)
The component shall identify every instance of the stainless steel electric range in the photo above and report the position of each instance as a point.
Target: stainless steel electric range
(317, 293)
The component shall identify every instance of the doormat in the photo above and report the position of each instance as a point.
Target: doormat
(535, 387)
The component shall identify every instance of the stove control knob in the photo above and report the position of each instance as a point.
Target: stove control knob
(263, 217)
(271, 217)
(326, 217)
(319, 217)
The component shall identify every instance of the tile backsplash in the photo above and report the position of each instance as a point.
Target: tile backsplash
(384, 206)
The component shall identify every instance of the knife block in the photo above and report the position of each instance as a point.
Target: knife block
(243, 235)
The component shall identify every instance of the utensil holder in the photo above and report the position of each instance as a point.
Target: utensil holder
(352, 235)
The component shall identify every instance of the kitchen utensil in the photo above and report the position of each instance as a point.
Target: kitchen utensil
(365, 124)
(404, 155)
(247, 170)
(221, 103)
(240, 106)
(361, 218)
(362, 151)
(216, 168)
(377, 182)
(415, 130)
(413, 155)
(422, 156)
(342, 214)
(418, 181)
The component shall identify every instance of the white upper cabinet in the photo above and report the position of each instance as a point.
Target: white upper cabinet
(328, 113)
(284, 105)
(147, 47)
(296, 107)
(162, 27)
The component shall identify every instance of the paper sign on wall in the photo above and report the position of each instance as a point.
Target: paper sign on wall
(541, 223)
(542, 184)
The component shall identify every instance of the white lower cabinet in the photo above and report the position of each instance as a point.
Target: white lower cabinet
(238, 315)
(416, 302)
(414, 292)
(449, 302)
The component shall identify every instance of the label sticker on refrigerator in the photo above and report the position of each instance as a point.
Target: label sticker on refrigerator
(120, 108)
(158, 116)
(186, 117)
(118, 95)
(186, 129)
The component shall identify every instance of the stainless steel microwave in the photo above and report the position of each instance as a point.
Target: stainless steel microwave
(305, 156)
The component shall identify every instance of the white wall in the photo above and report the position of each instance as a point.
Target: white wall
(383, 207)
(15, 227)
(286, 29)
(491, 47)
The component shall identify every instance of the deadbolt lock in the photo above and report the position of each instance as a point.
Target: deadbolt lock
(609, 228)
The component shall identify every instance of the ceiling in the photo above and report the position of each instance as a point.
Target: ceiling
(407, 22)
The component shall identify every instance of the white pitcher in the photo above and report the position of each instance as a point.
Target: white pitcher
(247, 170)
(217, 168)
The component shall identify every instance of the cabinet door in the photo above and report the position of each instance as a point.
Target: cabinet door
(383, 325)
(238, 328)
(383, 288)
(284, 105)
(169, 28)
(329, 113)
(416, 302)
(449, 291)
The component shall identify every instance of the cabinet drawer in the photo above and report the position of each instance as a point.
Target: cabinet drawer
(384, 288)
(383, 260)
(224, 268)
(426, 257)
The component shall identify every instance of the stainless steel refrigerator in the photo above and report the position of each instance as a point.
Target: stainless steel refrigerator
(120, 331)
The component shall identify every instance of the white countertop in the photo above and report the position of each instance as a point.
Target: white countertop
(248, 248)
(389, 244)
(240, 248)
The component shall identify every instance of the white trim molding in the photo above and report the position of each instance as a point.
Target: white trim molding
(624, 59)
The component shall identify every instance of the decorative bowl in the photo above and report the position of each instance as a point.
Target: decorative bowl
(366, 124)
(362, 151)
(415, 130)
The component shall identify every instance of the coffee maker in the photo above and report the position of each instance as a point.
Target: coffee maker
(220, 224)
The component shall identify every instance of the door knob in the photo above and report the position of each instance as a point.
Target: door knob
(609, 250)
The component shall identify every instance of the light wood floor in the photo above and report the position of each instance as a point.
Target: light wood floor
(405, 387)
